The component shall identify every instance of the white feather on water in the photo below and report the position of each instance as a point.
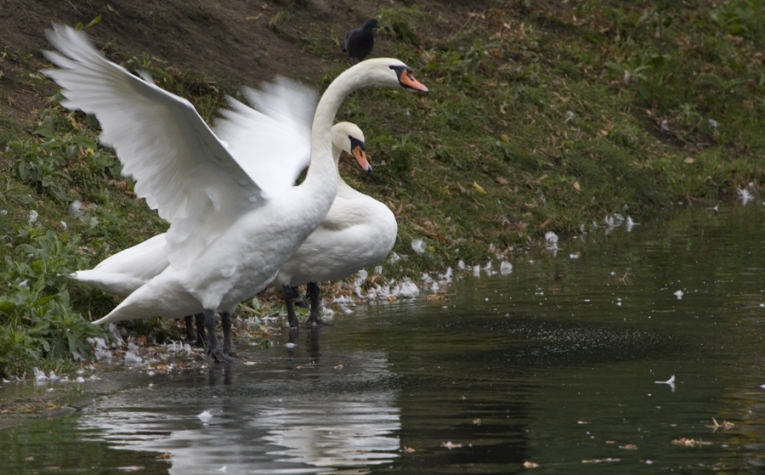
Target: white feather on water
(505, 268)
(205, 416)
(489, 269)
(670, 382)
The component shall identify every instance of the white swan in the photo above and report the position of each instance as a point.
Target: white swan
(362, 230)
(284, 105)
(227, 238)
(357, 232)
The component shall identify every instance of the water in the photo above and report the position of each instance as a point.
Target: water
(555, 364)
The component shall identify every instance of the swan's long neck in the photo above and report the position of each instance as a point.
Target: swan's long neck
(336, 153)
(321, 179)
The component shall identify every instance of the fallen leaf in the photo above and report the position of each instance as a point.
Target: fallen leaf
(408, 450)
(576, 186)
(479, 188)
(477, 421)
(528, 464)
(628, 447)
(340, 366)
(716, 425)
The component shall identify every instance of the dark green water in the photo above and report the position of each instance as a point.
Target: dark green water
(558, 361)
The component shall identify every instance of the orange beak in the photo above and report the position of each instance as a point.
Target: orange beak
(409, 81)
(361, 157)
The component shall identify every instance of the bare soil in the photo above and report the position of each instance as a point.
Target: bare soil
(237, 42)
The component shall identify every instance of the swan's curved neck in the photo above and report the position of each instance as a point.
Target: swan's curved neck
(322, 167)
(336, 153)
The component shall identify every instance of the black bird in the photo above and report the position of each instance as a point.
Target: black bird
(359, 42)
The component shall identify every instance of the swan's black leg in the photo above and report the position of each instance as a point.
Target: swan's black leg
(291, 317)
(190, 335)
(299, 302)
(292, 336)
(200, 321)
(313, 340)
(212, 339)
(313, 294)
(228, 339)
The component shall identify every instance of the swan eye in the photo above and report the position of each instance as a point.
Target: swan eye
(357, 143)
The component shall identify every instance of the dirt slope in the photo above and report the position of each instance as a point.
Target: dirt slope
(235, 41)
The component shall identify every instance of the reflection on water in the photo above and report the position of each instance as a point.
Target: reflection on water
(336, 434)
(556, 364)
(267, 425)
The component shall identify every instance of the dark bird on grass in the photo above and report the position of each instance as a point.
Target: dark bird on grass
(359, 42)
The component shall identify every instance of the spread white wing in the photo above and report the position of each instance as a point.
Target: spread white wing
(180, 166)
(274, 141)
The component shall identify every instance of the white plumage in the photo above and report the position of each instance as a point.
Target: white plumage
(358, 231)
(228, 238)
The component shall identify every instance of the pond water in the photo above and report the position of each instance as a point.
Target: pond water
(555, 364)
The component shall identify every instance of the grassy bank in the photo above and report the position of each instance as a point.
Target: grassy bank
(538, 120)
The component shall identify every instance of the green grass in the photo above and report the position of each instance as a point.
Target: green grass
(539, 110)
(538, 120)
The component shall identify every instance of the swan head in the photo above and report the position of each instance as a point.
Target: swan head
(349, 138)
(386, 72)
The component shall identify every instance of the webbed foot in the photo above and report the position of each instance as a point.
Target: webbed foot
(220, 358)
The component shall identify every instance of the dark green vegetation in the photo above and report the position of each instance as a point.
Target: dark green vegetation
(539, 119)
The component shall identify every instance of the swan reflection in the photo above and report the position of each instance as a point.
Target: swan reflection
(339, 434)
(265, 422)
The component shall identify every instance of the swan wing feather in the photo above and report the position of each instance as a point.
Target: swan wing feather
(271, 141)
(181, 168)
